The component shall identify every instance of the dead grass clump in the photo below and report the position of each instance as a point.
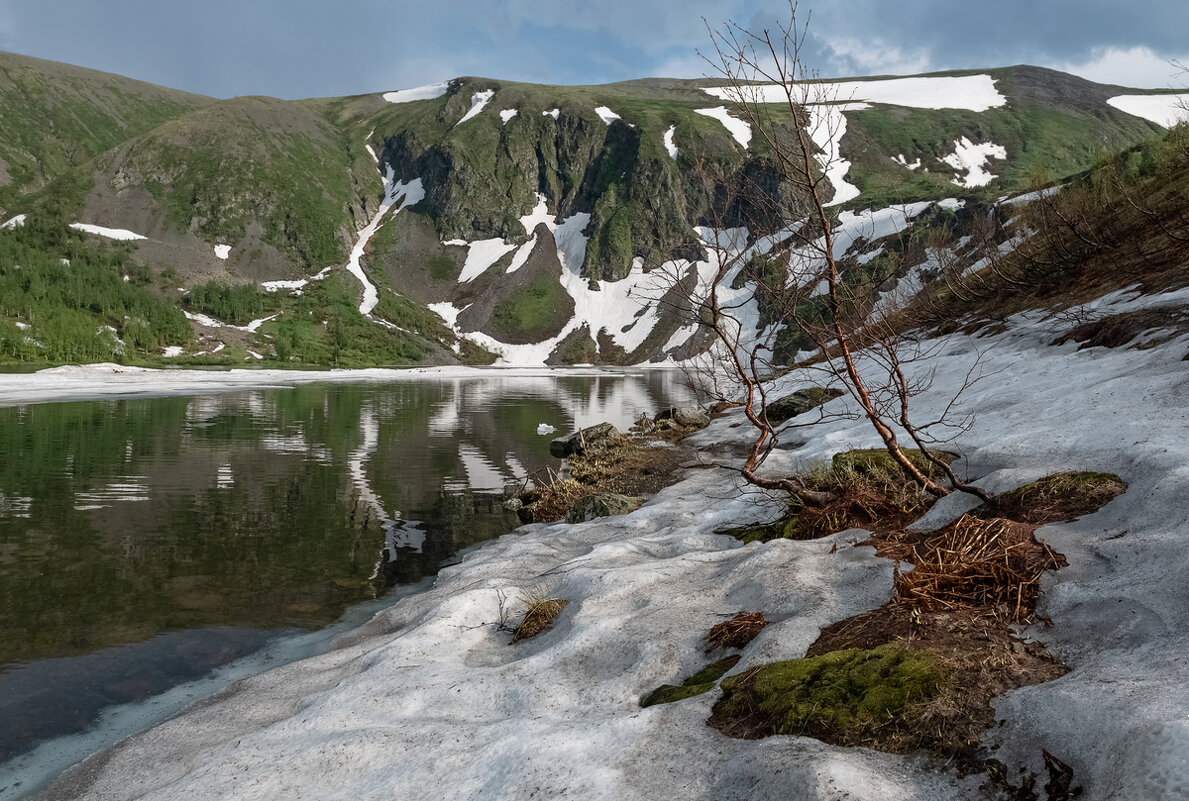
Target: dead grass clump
(736, 632)
(541, 611)
(551, 500)
(1058, 497)
(991, 566)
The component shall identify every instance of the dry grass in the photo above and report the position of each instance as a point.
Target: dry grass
(983, 566)
(540, 611)
(736, 632)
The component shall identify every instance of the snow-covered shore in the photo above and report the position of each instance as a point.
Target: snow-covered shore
(96, 381)
(429, 701)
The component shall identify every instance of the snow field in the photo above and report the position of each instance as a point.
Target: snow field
(428, 92)
(15, 222)
(222, 252)
(970, 92)
(508, 114)
(1164, 110)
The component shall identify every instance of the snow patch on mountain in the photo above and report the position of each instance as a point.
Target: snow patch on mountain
(903, 162)
(481, 255)
(508, 114)
(428, 92)
(222, 252)
(969, 92)
(827, 126)
(15, 222)
(972, 160)
(736, 127)
(118, 234)
(669, 144)
(1164, 110)
(607, 115)
(479, 101)
(555, 113)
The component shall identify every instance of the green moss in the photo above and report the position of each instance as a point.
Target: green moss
(1059, 496)
(868, 461)
(841, 696)
(701, 682)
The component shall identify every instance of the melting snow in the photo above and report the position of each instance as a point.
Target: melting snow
(479, 101)
(972, 159)
(737, 128)
(607, 115)
(970, 92)
(669, 144)
(429, 92)
(15, 222)
(172, 351)
(222, 251)
(1164, 110)
(118, 234)
(481, 256)
(903, 162)
(275, 286)
(827, 126)
(508, 114)
(555, 113)
(544, 429)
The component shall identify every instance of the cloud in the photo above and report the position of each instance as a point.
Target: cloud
(850, 55)
(1138, 67)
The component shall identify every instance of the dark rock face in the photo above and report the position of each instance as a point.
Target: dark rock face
(800, 402)
(603, 505)
(588, 440)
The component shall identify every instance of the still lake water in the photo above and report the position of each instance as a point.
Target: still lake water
(145, 543)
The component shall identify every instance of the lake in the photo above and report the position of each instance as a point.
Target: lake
(153, 550)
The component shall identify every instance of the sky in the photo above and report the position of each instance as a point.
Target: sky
(317, 48)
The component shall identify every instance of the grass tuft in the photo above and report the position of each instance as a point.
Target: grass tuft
(736, 632)
(541, 610)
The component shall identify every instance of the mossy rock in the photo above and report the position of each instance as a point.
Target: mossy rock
(701, 682)
(866, 461)
(841, 696)
(606, 504)
(798, 403)
(1058, 496)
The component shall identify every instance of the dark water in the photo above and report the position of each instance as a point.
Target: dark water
(145, 543)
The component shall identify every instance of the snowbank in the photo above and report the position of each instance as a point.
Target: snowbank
(971, 161)
(669, 143)
(479, 101)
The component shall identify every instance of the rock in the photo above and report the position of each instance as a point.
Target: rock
(685, 416)
(588, 440)
(800, 402)
(603, 505)
(513, 504)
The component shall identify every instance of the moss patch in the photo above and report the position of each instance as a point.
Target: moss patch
(700, 682)
(848, 697)
(872, 460)
(1057, 497)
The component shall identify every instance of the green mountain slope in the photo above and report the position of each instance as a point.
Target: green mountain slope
(609, 180)
(55, 117)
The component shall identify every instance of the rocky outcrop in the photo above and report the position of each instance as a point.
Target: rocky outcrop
(586, 441)
(602, 505)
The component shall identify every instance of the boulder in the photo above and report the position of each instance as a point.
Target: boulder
(800, 402)
(685, 416)
(602, 505)
(588, 440)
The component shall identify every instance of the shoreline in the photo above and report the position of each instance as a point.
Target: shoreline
(429, 699)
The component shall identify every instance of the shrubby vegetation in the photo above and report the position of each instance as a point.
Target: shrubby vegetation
(237, 305)
(72, 293)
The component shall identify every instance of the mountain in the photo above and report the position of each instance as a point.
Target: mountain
(480, 218)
